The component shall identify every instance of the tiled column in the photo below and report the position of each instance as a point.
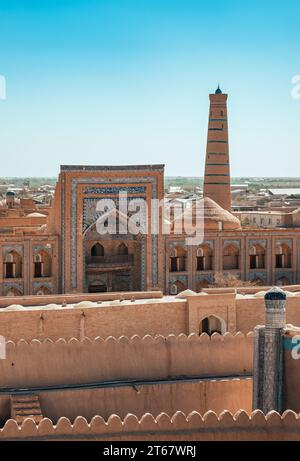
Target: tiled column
(268, 354)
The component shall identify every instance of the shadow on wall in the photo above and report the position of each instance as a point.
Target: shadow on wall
(149, 358)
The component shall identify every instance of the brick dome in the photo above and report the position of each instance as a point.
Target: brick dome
(215, 217)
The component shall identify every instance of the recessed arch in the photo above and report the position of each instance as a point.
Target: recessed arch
(283, 256)
(42, 262)
(212, 324)
(97, 286)
(283, 281)
(204, 257)
(258, 281)
(12, 291)
(231, 257)
(177, 287)
(257, 257)
(42, 291)
(122, 249)
(97, 249)
(178, 256)
(12, 265)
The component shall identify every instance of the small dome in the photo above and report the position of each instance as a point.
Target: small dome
(218, 90)
(214, 214)
(10, 193)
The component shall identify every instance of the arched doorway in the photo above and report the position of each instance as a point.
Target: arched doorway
(212, 324)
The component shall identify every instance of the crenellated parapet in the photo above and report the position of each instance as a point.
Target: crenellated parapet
(179, 426)
(48, 363)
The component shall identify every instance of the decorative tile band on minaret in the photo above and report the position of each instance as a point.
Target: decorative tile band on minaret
(217, 169)
(268, 354)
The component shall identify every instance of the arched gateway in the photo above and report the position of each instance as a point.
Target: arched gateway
(212, 324)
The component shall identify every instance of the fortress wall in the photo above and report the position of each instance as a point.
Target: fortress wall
(155, 398)
(249, 313)
(74, 362)
(180, 427)
(293, 310)
(117, 320)
(154, 316)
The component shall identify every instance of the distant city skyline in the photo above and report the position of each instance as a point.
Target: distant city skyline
(114, 82)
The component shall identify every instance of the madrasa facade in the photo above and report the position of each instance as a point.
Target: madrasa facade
(58, 249)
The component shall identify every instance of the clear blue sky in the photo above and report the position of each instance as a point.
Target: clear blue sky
(127, 81)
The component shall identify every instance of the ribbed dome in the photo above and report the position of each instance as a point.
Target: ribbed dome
(215, 217)
(214, 213)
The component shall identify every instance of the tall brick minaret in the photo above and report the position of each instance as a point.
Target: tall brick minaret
(217, 170)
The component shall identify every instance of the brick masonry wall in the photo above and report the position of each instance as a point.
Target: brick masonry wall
(155, 316)
(74, 362)
(187, 396)
(114, 320)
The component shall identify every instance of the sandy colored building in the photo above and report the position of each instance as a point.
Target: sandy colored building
(63, 252)
(58, 249)
(266, 251)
